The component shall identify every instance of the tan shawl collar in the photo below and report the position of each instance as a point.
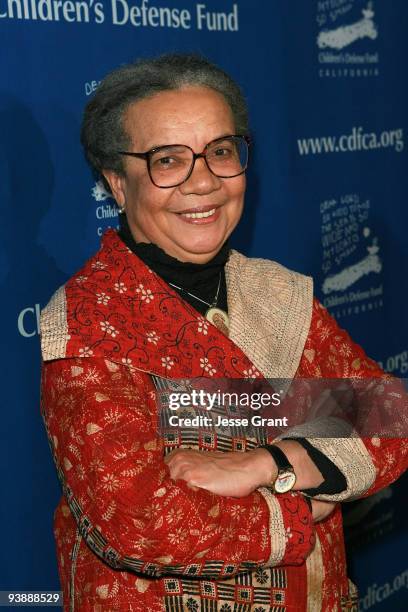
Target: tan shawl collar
(270, 310)
(116, 308)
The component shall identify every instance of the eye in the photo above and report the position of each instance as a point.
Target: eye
(165, 161)
(170, 158)
(222, 151)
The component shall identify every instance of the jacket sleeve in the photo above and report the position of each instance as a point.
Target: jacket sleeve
(102, 426)
(368, 460)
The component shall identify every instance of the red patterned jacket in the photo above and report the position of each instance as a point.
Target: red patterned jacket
(130, 538)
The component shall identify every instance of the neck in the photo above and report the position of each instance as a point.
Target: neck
(201, 280)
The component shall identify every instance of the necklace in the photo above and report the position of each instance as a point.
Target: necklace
(214, 315)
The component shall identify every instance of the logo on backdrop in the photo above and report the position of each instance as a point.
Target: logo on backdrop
(137, 14)
(352, 265)
(90, 87)
(99, 192)
(396, 364)
(106, 207)
(376, 594)
(346, 39)
(28, 321)
(357, 139)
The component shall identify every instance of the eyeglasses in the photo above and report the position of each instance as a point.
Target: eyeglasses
(172, 165)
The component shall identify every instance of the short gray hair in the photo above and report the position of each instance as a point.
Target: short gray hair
(103, 132)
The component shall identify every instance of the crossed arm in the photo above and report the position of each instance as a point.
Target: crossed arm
(102, 428)
(239, 474)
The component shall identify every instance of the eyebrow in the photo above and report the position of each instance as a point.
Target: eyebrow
(171, 144)
(177, 144)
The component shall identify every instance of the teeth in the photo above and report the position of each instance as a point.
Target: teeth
(199, 215)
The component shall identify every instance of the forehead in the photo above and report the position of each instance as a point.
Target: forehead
(175, 116)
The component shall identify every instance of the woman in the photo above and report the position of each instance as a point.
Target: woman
(150, 522)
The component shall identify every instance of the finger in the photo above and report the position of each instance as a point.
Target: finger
(183, 472)
(177, 459)
(180, 465)
(175, 471)
(172, 455)
(181, 454)
(193, 487)
(169, 457)
(176, 467)
(322, 511)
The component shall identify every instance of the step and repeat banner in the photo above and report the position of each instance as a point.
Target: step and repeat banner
(326, 85)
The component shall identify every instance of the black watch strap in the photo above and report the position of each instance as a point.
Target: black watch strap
(279, 457)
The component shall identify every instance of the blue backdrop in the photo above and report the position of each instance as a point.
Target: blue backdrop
(327, 90)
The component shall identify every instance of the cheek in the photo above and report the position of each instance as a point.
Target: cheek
(236, 194)
(151, 211)
(239, 186)
(142, 199)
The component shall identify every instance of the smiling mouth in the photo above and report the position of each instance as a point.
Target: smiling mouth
(199, 215)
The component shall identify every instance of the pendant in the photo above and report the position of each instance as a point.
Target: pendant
(219, 318)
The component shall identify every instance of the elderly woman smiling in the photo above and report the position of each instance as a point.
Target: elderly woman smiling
(201, 518)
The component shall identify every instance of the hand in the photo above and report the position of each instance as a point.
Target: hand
(232, 474)
(321, 509)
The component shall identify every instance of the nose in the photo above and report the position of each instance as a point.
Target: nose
(201, 181)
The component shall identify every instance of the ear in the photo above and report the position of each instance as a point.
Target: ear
(117, 186)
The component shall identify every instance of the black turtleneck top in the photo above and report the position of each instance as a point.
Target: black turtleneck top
(202, 281)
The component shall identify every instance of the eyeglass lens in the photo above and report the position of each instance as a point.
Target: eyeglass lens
(171, 165)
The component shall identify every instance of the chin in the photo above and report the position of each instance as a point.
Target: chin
(207, 242)
(205, 248)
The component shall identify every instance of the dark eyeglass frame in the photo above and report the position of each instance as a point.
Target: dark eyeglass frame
(148, 154)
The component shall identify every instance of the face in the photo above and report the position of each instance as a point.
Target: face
(191, 116)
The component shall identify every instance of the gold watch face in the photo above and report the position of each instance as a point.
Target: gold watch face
(285, 482)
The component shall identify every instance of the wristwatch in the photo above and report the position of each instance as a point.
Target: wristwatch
(286, 477)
